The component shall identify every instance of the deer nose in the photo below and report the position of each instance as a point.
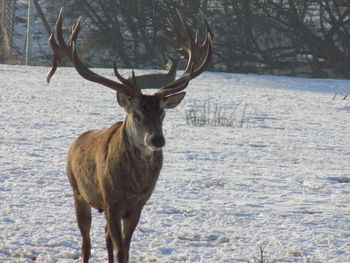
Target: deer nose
(158, 141)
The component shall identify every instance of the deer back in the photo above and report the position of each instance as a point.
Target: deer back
(158, 80)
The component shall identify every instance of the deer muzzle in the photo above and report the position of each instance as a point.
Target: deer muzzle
(155, 142)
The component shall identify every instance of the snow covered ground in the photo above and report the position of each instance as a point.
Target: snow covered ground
(281, 182)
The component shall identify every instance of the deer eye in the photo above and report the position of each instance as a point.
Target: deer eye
(136, 117)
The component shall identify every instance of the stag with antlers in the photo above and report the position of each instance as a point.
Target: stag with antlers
(116, 169)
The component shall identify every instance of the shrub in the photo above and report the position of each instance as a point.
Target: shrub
(213, 114)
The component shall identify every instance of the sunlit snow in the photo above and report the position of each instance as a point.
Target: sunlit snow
(280, 182)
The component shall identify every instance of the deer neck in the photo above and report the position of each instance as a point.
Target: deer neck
(144, 164)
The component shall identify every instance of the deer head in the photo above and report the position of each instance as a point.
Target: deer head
(144, 118)
(144, 113)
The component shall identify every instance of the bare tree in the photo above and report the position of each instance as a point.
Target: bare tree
(286, 37)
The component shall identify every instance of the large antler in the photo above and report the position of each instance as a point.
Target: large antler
(62, 49)
(198, 55)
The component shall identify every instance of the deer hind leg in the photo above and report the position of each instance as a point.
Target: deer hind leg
(83, 213)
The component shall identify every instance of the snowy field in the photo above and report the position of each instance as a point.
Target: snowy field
(280, 182)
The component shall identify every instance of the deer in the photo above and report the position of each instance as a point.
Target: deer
(115, 169)
(158, 80)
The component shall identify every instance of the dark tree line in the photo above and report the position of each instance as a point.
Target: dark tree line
(289, 37)
(293, 37)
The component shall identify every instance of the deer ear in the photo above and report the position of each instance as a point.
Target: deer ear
(123, 99)
(172, 101)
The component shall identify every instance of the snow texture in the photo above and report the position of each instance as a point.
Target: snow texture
(281, 182)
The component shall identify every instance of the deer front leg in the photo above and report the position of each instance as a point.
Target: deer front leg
(114, 233)
(109, 245)
(129, 224)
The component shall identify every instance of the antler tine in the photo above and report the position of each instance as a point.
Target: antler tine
(59, 35)
(176, 40)
(176, 32)
(134, 79)
(69, 50)
(59, 50)
(57, 56)
(186, 27)
(207, 59)
(206, 24)
(117, 74)
(75, 31)
(131, 84)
